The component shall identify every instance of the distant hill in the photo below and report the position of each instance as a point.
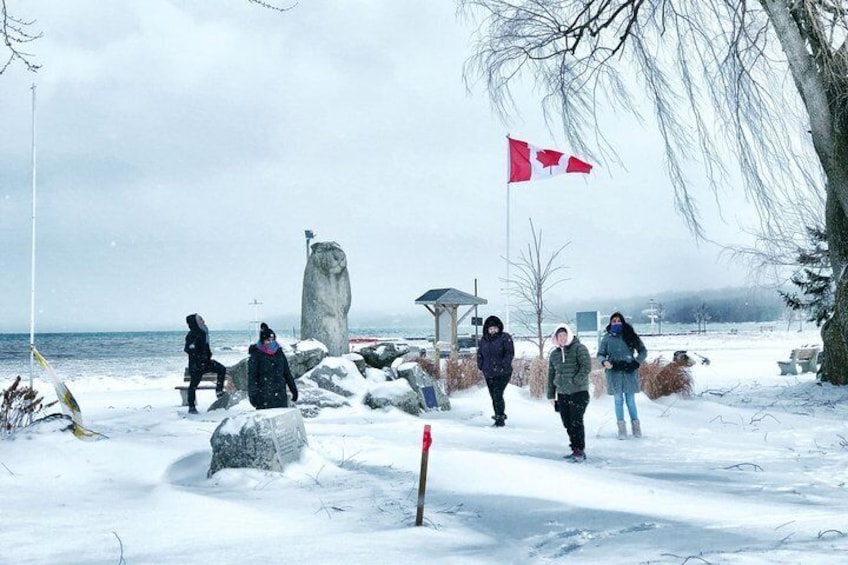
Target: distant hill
(725, 305)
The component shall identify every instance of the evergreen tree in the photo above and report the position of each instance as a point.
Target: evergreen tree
(814, 279)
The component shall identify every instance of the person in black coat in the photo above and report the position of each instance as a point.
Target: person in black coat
(268, 373)
(200, 359)
(495, 352)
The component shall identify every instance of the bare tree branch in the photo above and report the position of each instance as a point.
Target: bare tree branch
(537, 275)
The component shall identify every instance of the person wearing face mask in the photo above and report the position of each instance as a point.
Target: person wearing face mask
(621, 352)
(569, 364)
(495, 352)
(200, 359)
(268, 373)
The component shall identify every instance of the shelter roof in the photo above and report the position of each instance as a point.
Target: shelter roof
(449, 297)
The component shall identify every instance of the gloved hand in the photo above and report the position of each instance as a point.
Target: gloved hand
(633, 365)
(620, 365)
(294, 395)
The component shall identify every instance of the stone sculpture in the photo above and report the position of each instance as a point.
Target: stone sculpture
(326, 298)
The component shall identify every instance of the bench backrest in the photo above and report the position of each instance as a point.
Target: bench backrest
(804, 354)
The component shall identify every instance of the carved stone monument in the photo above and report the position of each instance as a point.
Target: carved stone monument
(265, 439)
(326, 298)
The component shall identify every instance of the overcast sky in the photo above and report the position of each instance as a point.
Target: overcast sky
(184, 146)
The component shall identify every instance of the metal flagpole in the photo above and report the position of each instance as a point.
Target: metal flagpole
(506, 326)
(32, 258)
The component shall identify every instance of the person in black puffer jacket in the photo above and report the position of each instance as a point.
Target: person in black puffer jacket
(200, 359)
(268, 373)
(495, 352)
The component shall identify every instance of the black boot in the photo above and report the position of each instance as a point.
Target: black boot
(499, 421)
(192, 410)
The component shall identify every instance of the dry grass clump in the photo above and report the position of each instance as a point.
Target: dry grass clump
(457, 373)
(430, 367)
(656, 377)
(461, 373)
(20, 406)
(598, 383)
(659, 378)
(536, 377)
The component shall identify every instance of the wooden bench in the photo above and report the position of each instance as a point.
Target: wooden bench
(207, 377)
(802, 360)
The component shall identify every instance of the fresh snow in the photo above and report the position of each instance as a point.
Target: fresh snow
(750, 470)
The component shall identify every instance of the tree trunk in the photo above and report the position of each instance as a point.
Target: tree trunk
(835, 331)
(822, 89)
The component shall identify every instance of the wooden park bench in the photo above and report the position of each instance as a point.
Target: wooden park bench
(802, 360)
(206, 378)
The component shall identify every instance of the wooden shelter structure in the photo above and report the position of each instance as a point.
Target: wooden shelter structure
(447, 301)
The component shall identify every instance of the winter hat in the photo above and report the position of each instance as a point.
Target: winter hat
(266, 333)
(559, 328)
(493, 321)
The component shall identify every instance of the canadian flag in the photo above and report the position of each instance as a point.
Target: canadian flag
(528, 162)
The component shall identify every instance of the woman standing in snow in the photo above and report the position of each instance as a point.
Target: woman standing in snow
(569, 365)
(495, 352)
(268, 373)
(621, 352)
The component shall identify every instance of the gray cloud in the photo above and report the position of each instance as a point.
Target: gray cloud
(185, 146)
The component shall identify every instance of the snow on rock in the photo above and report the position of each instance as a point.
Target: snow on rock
(265, 439)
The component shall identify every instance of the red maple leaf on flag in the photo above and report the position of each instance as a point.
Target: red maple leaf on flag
(548, 157)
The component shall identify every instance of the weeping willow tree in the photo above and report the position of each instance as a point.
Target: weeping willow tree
(20, 33)
(765, 81)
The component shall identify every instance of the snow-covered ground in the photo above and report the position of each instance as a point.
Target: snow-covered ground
(750, 470)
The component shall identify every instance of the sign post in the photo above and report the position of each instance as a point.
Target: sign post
(422, 481)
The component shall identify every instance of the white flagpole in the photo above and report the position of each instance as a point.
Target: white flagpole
(32, 258)
(508, 284)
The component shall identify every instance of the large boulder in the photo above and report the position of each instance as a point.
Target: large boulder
(265, 439)
(357, 360)
(228, 400)
(304, 356)
(394, 393)
(382, 354)
(418, 379)
(339, 376)
(326, 298)
(312, 399)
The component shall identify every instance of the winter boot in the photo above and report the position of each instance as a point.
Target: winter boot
(192, 410)
(499, 421)
(637, 428)
(577, 455)
(622, 429)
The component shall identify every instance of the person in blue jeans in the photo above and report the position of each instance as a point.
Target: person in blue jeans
(621, 353)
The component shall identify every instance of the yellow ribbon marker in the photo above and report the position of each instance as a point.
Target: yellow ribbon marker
(67, 400)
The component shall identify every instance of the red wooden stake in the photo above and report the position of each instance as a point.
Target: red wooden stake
(422, 481)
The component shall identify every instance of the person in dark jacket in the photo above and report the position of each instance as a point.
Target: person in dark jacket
(268, 373)
(495, 352)
(569, 365)
(621, 352)
(200, 359)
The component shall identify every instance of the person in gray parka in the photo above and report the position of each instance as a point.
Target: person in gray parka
(621, 352)
(569, 365)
